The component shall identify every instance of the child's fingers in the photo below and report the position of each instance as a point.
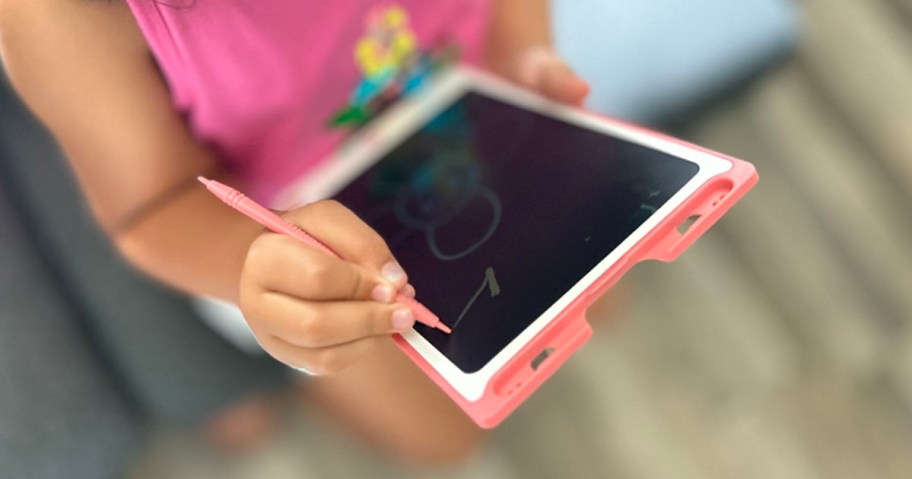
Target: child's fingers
(545, 71)
(287, 266)
(320, 361)
(560, 83)
(324, 324)
(343, 232)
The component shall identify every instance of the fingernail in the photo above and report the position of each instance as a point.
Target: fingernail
(392, 272)
(383, 293)
(403, 319)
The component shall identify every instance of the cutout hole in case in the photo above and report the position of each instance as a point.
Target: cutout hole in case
(686, 224)
(541, 358)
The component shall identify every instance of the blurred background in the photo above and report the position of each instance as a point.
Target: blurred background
(779, 346)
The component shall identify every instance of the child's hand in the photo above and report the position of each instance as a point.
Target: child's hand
(543, 70)
(316, 312)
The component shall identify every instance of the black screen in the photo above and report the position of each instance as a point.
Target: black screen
(495, 212)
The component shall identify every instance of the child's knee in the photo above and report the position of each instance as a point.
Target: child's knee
(446, 441)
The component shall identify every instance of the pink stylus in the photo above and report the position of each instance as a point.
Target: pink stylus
(274, 222)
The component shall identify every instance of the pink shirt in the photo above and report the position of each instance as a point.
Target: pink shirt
(264, 81)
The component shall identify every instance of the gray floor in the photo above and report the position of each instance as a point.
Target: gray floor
(779, 346)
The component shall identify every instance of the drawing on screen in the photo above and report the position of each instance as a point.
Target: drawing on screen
(438, 192)
(490, 280)
(437, 185)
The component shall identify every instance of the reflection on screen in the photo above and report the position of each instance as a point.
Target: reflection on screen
(496, 212)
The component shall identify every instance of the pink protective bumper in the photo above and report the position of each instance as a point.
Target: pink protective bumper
(542, 356)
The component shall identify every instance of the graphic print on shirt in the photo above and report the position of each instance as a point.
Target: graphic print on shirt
(391, 63)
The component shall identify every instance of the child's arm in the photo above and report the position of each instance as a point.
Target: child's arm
(84, 69)
(520, 47)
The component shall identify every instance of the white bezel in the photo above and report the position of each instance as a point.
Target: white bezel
(394, 126)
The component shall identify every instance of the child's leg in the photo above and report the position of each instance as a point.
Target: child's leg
(245, 424)
(388, 401)
(610, 307)
(384, 399)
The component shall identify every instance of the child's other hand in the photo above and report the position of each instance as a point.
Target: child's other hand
(316, 312)
(543, 70)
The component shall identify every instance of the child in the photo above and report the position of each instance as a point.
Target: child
(145, 95)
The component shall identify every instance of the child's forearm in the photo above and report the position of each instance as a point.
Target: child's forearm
(193, 242)
(84, 69)
(520, 48)
(518, 25)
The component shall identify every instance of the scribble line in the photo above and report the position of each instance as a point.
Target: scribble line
(491, 281)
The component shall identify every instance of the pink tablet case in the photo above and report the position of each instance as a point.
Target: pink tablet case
(562, 337)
